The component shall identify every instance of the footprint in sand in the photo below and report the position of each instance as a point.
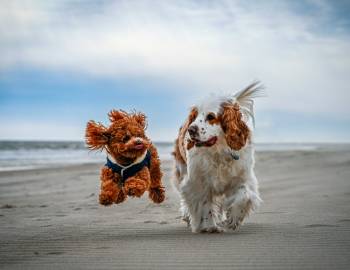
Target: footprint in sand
(91, 195)
(319, 225)
(149, 221)
(344, 220)
(8, 206)
(55, 253)
(152, 221)
(163, 222)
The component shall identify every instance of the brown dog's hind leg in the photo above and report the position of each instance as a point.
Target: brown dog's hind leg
(156, 191)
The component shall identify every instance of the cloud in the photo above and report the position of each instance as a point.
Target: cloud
(299, 51)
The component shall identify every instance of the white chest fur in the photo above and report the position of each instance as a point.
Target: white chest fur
(215, 168)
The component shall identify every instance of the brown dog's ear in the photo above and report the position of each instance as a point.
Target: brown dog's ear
(96, 135)
(236, 130)
(140, 118)
(115, 115)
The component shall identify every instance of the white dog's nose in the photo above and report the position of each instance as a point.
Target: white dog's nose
(193, 131)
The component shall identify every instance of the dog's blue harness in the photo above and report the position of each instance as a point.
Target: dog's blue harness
(127, 171)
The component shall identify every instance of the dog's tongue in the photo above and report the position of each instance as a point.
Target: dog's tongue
(138, 147)
(211, 141)
(207, 143)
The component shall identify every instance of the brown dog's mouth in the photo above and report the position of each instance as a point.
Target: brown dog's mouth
(139, 147)
(207, 143)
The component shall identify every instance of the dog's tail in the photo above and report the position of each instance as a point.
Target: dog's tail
(245, 98)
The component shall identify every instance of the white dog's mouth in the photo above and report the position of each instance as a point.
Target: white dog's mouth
(207, 143)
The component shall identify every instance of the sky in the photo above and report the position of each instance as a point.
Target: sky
(63, 63)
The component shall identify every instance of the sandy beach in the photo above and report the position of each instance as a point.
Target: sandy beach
(51, 219)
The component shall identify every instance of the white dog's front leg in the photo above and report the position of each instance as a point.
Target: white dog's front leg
(199, 209)
(208, 223)
(185, 215)
(238, 205)
(193, 203)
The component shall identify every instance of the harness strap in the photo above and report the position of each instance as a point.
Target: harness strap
(127, 171)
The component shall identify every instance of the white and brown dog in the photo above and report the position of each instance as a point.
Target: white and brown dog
(214, 156)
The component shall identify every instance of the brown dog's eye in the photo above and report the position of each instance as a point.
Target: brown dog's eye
(210, 117)
(126, 138)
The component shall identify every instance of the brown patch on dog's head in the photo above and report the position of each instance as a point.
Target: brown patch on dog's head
(179, 152)
(236, 131)
(213, 119)
(192, 116)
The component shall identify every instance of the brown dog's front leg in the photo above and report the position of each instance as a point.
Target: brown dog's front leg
(137, 185)
(110, 191)
(156, 191)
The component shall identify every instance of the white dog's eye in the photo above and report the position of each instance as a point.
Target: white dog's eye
(210, 117)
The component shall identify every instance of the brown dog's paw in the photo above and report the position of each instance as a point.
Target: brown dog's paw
(157, 195)
(106, 199)
(121, 197)
(135, 187)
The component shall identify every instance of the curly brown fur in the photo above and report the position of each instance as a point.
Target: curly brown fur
(97, 135)
(156, 191)
(138, 184)
(110, 191)
(125, 141)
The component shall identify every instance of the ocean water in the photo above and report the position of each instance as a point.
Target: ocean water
(21, 155)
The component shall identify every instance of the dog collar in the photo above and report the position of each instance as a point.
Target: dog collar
(127, 171)
(235, 156)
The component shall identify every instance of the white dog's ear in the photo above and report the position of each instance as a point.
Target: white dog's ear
(235, 129)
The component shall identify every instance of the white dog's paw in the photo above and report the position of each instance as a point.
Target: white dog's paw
(213, 229)
(235, 217)
(186, 219)
(208, 224)
(231, 224)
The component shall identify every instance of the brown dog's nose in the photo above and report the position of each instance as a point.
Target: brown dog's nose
(138, 141)
(193, 131)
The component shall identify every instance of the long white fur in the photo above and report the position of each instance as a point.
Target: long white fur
(218, 192)
(245, 99)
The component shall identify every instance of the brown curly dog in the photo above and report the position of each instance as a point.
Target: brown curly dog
(133, 165)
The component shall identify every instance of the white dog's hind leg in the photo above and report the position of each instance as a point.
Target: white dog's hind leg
(238, 205)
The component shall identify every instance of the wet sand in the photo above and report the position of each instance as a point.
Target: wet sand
(50, 219)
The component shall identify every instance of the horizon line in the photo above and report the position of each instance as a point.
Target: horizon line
(172, 141)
